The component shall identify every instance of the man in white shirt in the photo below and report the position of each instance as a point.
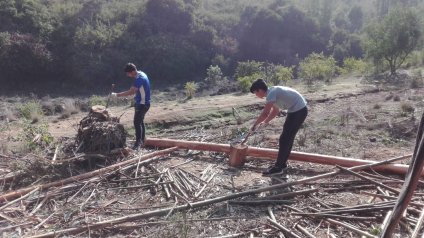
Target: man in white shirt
(277, 98)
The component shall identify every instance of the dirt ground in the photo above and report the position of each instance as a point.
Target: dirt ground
(346, 119)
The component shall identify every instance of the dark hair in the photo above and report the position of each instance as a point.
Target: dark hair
(130, 67)
(258, 84)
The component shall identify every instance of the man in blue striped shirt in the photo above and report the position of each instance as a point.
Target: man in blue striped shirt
(141, 89)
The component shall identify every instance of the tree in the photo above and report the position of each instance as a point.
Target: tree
(394, 38)
(356, 18)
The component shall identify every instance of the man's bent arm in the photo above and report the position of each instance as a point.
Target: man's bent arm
(274, 112)
(130, 92)
(264, 114)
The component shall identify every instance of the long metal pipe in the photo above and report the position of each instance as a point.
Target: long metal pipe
(271, 154)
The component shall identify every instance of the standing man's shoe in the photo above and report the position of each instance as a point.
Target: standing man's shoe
(274, 170)
(136, 146)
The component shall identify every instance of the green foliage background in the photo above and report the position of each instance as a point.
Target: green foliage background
(80, 46)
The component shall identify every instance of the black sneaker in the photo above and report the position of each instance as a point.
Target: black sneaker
(274, 170)
(136, 146)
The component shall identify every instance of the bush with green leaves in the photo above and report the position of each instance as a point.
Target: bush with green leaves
(190, 89)
(36, 137)
(214, 75)
(31, 110)
(246, 81)
(317, 67)
(353, 65)
(279, 74)
(248, 68)
(97, 100)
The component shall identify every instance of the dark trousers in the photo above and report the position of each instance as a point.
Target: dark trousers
(292, 124)
(140, 129)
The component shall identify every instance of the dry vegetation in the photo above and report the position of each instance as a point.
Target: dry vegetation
(185, 193)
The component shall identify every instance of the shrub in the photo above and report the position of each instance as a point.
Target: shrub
(190, 89)
(417, 79)
(70, 106)
(31, 110)
(248, 68)
(352, 65)
(275, 74)
(317, 67)
(213, 75)
(246, 81)
(407, 108)
(96, 100)
(36, 136)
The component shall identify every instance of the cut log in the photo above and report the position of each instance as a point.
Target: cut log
(271, 154)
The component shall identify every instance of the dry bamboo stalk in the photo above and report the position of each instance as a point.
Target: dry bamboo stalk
(321, 216)
(369, 180)
(19, 199)
(55, 154)
(73, 196)
(40, 204)
(204, 186)
(284, 229)
(6, 217)
(378, 195)
(349, 188)
(15, 226)
(350, 227)
(386, 219)
(136, 169)
(175, 184)
(166, 189)
(258, 202)
(44, 221)
(134, 179)
(81, 177)
(271, 214)
(188, 180)
(230, 236)
(358, 210)
(417, 229)
(291, 194)
(183, 182)
(161, 212)
(139, 186)
(304, 231)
